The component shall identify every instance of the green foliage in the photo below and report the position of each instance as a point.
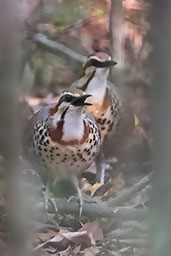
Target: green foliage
(67, 13)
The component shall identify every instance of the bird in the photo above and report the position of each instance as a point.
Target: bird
(106, 104)
(63, 138)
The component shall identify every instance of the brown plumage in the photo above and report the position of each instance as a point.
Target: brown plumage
(62, 156)
(106, 104)
(62, 140)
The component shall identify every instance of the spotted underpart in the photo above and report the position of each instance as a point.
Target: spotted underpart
(108, 118)
(109, 124)
(65, 160)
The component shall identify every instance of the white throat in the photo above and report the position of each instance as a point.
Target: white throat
(73, 128)
(97, 86)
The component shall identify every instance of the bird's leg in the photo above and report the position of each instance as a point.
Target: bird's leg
(100, 167)
(48, 198)
(80, 197)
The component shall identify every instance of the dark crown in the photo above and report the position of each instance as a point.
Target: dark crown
(99, 63)
(75, 100)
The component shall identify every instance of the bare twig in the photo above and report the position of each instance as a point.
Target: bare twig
(126, 194)
(116, 24)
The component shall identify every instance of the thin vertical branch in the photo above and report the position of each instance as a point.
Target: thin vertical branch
(116, 30)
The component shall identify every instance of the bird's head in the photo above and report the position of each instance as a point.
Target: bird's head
(70, 103)
(99, 61)
(67, 125)
(97, 65)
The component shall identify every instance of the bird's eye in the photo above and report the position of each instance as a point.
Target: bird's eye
(94, 62)
(66, 98)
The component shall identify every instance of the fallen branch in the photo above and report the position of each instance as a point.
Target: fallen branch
(58, 49)
(98, 210)
(126, 194)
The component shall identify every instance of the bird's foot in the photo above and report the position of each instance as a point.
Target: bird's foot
(71, 198)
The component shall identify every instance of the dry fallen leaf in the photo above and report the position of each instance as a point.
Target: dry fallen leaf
(43, 237)
(136, 120)
(80, 237)
(40, 252)
(102, 190)
(62, 241)
(94, 230)
(91, 251)
(94, 188)
(70, 251)
(57, 241)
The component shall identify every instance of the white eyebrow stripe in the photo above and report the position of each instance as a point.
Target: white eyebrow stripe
(98, 59)
(95, 58)
(72, 94)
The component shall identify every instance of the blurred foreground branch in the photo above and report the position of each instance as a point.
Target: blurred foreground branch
(160, 65)
(10, 65)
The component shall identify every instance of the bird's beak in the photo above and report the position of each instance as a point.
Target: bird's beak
(109, 63)
(80, 101)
